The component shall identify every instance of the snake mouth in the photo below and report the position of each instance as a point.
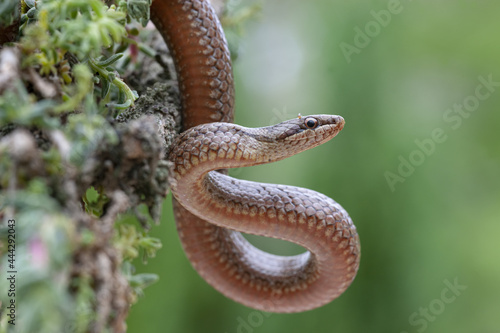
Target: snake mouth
(330, 127)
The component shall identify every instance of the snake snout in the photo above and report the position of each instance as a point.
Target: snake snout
(340, 122)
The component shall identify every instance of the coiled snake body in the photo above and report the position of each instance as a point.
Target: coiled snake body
(211, 208)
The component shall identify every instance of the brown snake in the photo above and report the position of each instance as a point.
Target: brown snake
(211, 208)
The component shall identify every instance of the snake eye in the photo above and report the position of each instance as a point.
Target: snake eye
(311, 123)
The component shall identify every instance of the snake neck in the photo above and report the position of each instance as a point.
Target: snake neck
(217, 146)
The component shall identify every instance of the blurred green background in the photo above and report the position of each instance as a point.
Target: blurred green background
(434, 222)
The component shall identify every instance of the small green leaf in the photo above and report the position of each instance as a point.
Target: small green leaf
(139, 10)
(147, 50)
(120, 106)
(105, 88)
(143, 280)
(30, 3)
(111, 60)
(150, 245)
(32, 13)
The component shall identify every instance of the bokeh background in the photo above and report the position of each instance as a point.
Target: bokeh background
(436, 225)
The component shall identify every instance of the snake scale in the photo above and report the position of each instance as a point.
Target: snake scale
(211, 208)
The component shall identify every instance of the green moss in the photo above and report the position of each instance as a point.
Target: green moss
(67, 85)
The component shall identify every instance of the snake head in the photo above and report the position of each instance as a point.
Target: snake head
(296, 135)
(315, 129)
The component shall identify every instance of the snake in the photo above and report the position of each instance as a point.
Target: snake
(212, 209)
